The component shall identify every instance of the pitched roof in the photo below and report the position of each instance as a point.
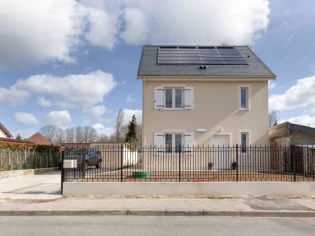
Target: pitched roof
(5, 131)
(149, 66)
(9, 140)
(39, 139)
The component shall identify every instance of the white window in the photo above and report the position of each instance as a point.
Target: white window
(173, 142)
(244, 97)
(173, 98)
(170, 141)
(176, 98)
(244, 141)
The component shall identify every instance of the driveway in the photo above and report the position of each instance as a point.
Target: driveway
(33, 187)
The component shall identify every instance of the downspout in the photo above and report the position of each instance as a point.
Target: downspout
(143, 112)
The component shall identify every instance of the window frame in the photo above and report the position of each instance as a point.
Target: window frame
(173, 148)
(244, 147)
(246, 98)
(248, 140)
(173, 89)
(247, 87)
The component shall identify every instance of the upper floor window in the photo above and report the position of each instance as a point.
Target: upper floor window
(177, 98)
(244, 97)
(173, 98)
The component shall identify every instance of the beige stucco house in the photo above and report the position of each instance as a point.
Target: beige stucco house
(197, 95)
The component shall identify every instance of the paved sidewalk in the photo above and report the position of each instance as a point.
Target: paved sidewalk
(43, 186)
(259, 206)
(40, 195)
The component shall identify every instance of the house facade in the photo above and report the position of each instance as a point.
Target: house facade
(196, 95)
(4, 133)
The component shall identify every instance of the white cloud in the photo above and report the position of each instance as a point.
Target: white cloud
(96, 111)
(81, 90)
(44, 102)
(302, 120)
(102, 130)
(136, 28)
(230, 22)
(176, 22)
(312, 111)
(13, 96)
(25, 118)
(301, 94)
(58, 118)
(103, 27)
(44, 31)
(128, 113)
(39, 31)
(130, 99)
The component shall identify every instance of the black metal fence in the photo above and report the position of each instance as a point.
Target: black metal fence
(121, 163)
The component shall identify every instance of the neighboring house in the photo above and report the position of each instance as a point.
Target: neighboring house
(287, 134)
(39, 139)
(16, 141)
(203, 95)
(298, 146)
(4, 133)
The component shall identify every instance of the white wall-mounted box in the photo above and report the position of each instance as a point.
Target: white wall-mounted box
(69, 164)
(201, 130)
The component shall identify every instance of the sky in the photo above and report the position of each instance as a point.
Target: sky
(74, 63)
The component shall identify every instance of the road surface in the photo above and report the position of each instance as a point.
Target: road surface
(171, 226)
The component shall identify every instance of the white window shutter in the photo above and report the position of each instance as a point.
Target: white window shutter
(158, 139)
(189, 139)
(189, 98)
(158, 102)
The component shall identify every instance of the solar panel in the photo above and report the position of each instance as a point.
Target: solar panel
(200, 56)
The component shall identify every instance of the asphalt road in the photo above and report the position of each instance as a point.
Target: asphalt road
(171, 226)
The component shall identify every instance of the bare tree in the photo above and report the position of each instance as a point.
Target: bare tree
(123, 131)
(89, 134)
(273, 118)
(49, 132)
(69, 135)
(59, 136)
(103, 138)
(139, 134)
(79, 134)
(118, 126)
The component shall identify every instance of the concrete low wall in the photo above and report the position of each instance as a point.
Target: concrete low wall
(233, 189)
(13, 173)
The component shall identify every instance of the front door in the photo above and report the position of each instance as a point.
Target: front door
(221, 152)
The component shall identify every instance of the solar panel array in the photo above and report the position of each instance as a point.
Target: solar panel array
(200, 56)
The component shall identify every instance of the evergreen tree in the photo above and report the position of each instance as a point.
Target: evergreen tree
(18, 137)
(131, 136)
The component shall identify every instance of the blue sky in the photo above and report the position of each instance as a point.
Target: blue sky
(74, 63)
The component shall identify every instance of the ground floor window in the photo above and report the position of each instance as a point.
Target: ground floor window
(173, 141)
(244, 141)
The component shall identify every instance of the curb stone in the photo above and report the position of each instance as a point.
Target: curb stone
(160, 213)
(147, 213)
(184, 213)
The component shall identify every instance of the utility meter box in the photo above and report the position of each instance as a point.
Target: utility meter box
(69, 164)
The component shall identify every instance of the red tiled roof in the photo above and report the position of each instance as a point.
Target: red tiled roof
(8, 140)
(5, 131)
(39, 139)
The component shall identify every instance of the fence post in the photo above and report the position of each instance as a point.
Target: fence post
(294, 162)
(179, 158)
(121, 161)
(236, 162)
(62, 169)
